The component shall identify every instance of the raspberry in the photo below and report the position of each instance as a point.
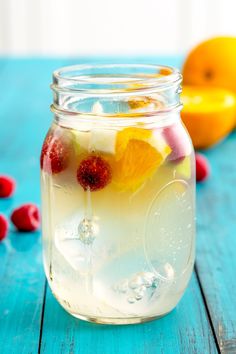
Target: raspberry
(26, 217)
(54, 155)
(7, 186)
(202, 168)
(94, 173)
(177, 139)
(3, 227)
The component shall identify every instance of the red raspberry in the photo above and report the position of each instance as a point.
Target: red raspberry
(7, 186)
(26, 217)
(202, 168)
(54, 155)
(94, 173)
(177, 139)
(3, 227)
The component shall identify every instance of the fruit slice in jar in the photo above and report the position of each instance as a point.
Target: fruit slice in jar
(80, 140)
(94, 137)
(95, 140)
(94, 173)
(126, 135)
(183, 168)
(177, 138)
(139, 104)
(55, 153)
(136, 158)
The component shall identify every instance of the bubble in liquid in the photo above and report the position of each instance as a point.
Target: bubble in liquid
(131, 300)
(139, 296)
(123, 286)
(139, 289)
(140, 286)
(148, 279)
(87, 231)
(135, 282)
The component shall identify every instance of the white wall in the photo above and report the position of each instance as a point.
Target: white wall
(116, 27)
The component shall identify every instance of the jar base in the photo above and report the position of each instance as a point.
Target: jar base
(112, 320)
(117, 321)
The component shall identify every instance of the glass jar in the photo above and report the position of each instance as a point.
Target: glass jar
(118, 193)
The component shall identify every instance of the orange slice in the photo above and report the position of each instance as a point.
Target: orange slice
(145, 104)
(127, 134)
(208, 113)
(137, 157)
(140, 102)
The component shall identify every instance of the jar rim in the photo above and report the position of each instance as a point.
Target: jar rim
(108, 79)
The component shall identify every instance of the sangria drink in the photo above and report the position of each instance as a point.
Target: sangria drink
(118, 193)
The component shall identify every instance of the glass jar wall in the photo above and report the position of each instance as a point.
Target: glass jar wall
(118, 193)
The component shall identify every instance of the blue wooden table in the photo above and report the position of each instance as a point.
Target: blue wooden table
(31, 321)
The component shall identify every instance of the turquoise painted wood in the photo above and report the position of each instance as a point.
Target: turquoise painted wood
(216, 251)
(185, 330)
(30, 318)
(24, 119)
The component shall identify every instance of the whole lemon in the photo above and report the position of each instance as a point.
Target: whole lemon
(212, 63)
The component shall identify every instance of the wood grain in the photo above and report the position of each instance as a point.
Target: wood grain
(216, 251)
(24, 118)
(185, 330)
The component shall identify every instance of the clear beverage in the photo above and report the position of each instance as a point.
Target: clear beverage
(118, 217)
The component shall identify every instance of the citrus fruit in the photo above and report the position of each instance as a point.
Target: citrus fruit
(208, 113)
(146, 104)
(138, 162)
(137, 158)
(127, 134)
(212, 63)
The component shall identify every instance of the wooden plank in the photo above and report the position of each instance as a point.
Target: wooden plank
(23, 116)
(216, 251)
(185, 330)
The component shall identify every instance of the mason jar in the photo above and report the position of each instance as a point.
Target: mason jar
(118, 193)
